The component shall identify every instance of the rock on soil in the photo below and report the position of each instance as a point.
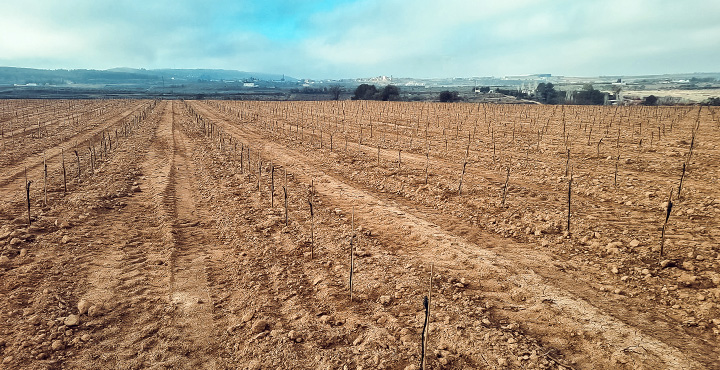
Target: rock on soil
(72, 320)
(259, 326)
(83, 306)
(57, 345)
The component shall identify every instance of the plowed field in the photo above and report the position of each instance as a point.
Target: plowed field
(305, 235)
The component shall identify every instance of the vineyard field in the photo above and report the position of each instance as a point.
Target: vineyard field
(208, 234)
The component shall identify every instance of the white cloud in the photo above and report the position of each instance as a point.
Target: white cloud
(425, 38)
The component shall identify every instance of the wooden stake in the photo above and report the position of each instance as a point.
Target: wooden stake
(461, 178)
(427, 164)
(505, 187)
(62, 152)
(426, 327)
(44, 180)
(259, 172)
(423, 348)
(78, 164)
(352, 252)
(568, 202)
(567, 163)
(286, 197)
(27, 194)
(616, 168)
(312, 230)
(667, 217)
(242, 150)
(682, 176)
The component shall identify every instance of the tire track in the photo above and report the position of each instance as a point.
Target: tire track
(189, 247)
(152, 277)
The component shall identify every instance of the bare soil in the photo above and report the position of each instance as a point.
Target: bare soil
(172, 246)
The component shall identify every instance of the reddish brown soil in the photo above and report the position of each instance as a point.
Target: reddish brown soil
(173, 254)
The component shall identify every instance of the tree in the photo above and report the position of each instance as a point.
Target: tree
(650, 100)
(546, 93)
(390, 92)
(588, 95)
(714, 101)
(335, 92)
(365, 92)
(448, 96)
(370, 92)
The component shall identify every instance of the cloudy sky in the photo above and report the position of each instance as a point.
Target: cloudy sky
(365, 38)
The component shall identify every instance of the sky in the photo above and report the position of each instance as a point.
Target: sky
(366, 38)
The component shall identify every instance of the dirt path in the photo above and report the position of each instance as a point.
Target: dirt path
(152, 285)
(191, 243)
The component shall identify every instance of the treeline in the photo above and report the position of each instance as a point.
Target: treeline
(310, 90)
(546, 93)
(370, 92)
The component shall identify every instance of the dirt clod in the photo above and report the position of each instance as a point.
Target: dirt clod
(72, 320)
(259, 326)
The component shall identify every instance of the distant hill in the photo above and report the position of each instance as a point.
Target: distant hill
(204, 74)
(121, 76)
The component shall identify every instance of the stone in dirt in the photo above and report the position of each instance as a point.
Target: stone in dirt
(83, 306)
(94, 311)
(57, 345)
(667, 263)
(259, 326)
(294, 336)
(687, 279)
(4, 260)
(385, 300)
(72, 320)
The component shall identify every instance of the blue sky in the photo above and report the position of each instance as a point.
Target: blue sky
(353, 38)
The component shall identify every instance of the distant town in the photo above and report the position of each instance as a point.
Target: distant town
(198, 84)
